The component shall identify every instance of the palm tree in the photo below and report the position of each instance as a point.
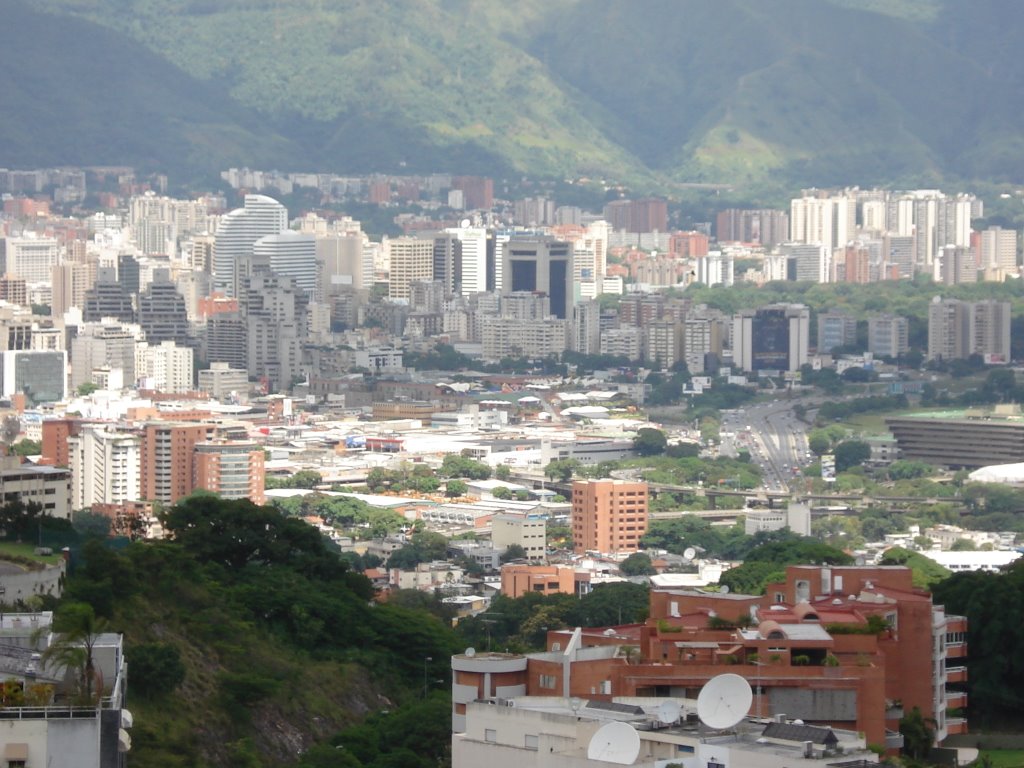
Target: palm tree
(77, 628)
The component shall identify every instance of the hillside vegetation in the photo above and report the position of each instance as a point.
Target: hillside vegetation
(741, 92)
(249, 642)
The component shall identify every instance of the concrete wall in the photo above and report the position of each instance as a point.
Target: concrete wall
(21, 586)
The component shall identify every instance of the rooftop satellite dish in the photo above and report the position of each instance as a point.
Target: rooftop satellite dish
(464, 223)
(724, 589)
(615, 742)
(689, 553)
(669, 711)
(470, 652)
(724, 701)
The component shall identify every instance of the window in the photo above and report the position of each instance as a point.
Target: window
(548, 681)
(490, 735)
(530, 741)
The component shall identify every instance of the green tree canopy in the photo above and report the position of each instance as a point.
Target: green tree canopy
(637, 564)
(649, 442)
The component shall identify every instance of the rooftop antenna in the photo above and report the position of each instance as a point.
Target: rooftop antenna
(724, 701)
(615, 742)
(668, 712)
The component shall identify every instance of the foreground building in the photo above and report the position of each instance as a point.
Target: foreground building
(840, 647)
(53, 727)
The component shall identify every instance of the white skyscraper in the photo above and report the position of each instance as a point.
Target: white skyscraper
(289, 254)
(32, 258)
(105, 466)
(239, 231)
(474, 258)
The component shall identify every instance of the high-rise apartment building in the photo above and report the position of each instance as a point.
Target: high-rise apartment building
(998, 249)
(764, 226)
(411, 260)
(608, 516)
(274, 311)
(888, 335)
(829, 221)
(233, 469)
(70, 282)
(238, 232)
(956, 264)
(477, 191)
(105, 466)
(836, 329)
(166, 459)
(103, 345)
(959, 329)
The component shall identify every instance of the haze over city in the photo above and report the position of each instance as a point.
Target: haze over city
(569, 383)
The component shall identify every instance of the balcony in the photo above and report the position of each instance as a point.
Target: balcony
(957, 699)
(893, 740)
(956, 651)
(956, 725)
(956, 674)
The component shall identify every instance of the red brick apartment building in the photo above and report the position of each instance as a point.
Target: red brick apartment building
(851, 647)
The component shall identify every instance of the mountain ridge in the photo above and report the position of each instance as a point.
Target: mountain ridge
(797, 93)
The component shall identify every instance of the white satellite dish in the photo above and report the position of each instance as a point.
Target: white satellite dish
(669, 711)
(470, 652)
(724, 589)
(690, 553)
(615, 742)
(724, 701)
(464, 224)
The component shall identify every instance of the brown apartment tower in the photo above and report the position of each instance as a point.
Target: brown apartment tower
(167, 459)
(608, 515)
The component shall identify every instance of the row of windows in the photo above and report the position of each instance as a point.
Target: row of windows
(955, 638)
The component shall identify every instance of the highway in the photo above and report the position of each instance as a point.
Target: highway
(775, 438)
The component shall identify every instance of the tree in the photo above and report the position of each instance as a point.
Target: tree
(157, 669)
(455, 465)
(513, 552)
(502, 472)
(562, 469)
(10, 428)
(818, 443)
(86, 388)
(918, 735)
(851, 453)
(502, 493)
(637, 564)
(649, 442)
(455, 488)
(27, 448)
(77, 629)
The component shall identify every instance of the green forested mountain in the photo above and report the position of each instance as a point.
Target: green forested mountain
(748, 92)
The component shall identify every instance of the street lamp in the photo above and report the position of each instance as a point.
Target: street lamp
(426, 659)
